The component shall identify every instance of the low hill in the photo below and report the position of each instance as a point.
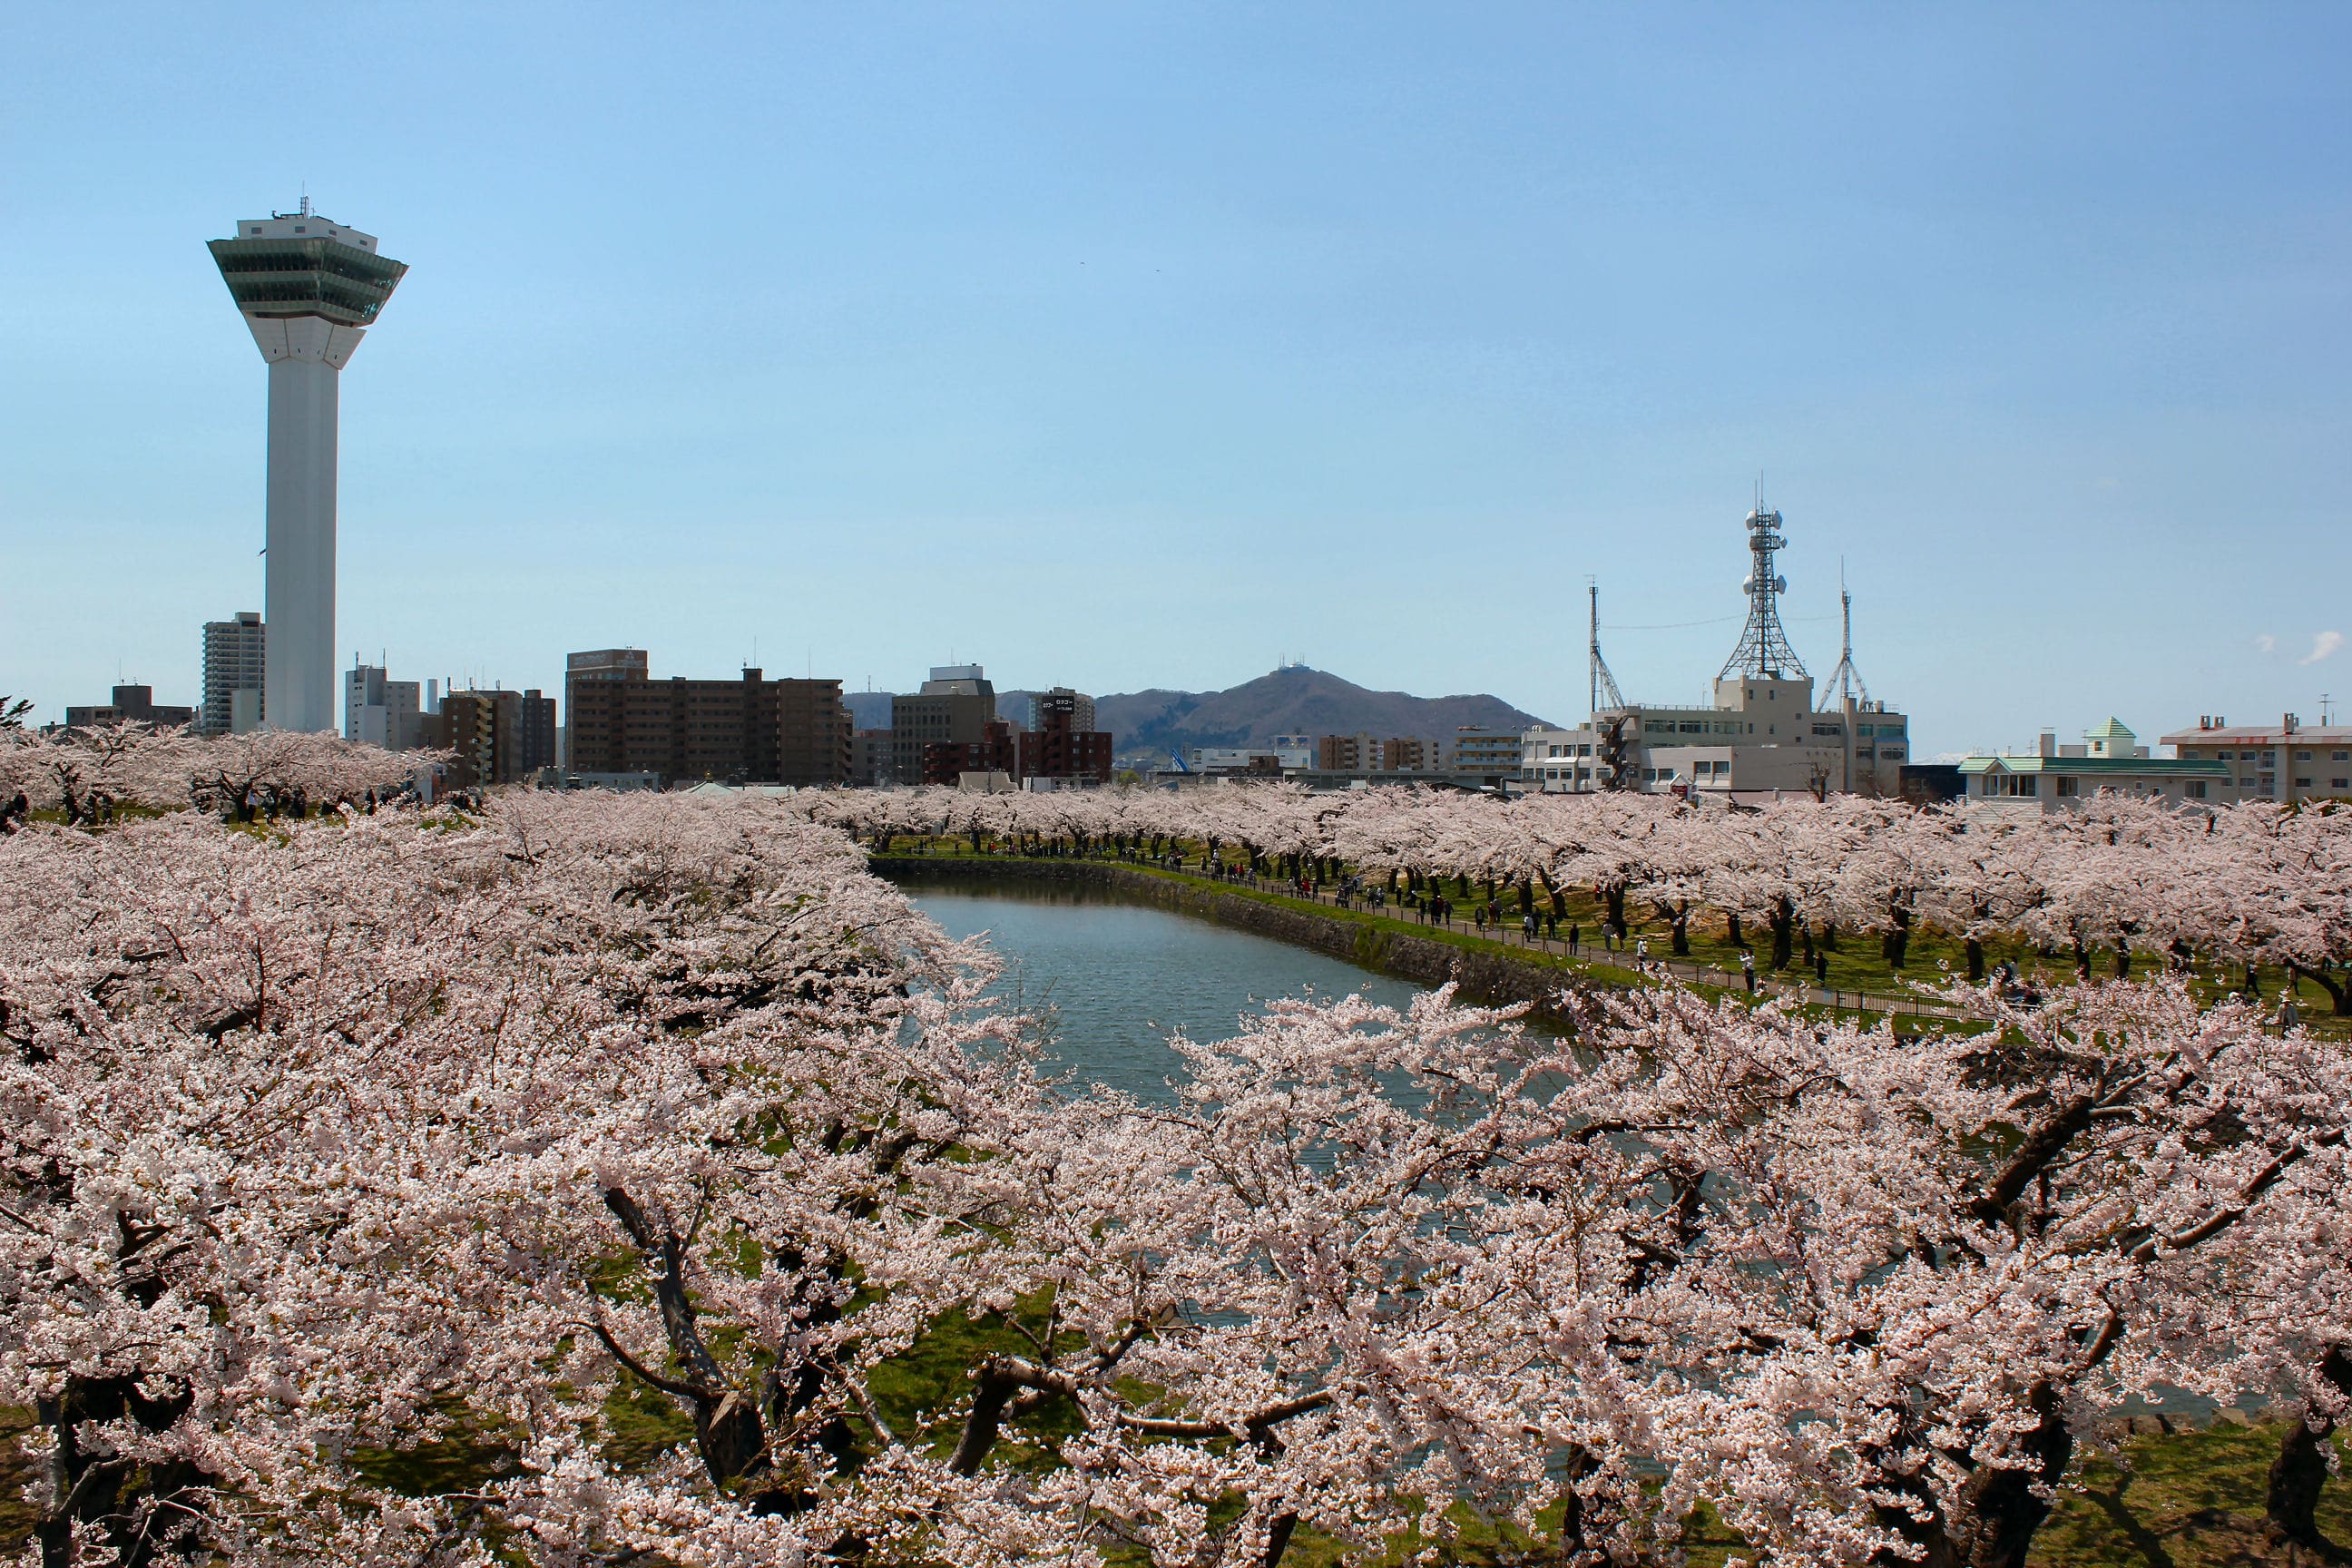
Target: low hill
(1294, 701)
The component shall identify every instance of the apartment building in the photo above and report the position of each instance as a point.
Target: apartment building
(2288, 761)
(749, 731)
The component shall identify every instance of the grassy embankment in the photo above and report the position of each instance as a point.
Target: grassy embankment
(1857, 962)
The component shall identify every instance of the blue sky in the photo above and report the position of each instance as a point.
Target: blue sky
(1125, 346)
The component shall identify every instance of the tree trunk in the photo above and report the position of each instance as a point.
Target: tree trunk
(1613, 899)
(2301, 1468)
(2338, 992)
(1784, 921)
(1678, 924)
(1994, 1514)
(1731, 928)
(1975, 946)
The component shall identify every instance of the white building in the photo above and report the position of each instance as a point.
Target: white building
(309, 289)
(1761, 733)
(2055, 778)
(1287, 753)
(382, 712)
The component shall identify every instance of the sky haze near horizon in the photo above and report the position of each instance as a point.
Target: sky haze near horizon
(1124, 347)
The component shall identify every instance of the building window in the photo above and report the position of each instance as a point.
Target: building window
(2303, 783)
(2195, 789)
(2067, 786)
(2303, 757)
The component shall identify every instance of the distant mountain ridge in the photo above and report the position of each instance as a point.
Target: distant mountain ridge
(1293, 700)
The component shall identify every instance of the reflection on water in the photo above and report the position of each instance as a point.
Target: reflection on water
(1120, 976)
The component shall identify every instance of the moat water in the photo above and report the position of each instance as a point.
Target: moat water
(1117, 978)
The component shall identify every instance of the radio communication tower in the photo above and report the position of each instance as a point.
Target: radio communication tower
(1603, 684)
(1763, 648)
(1846, 678)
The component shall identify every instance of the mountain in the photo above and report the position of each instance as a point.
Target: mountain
(868, 710)
(1293, 700)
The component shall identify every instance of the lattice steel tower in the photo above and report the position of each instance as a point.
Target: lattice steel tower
(308, 288)
(1763, 648)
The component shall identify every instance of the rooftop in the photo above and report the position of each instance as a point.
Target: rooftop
(2140, 767)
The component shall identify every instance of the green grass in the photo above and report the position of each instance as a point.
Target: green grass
(2189, 1498)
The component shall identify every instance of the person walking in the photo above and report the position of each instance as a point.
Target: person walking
(1748, 972)
(1642, 955)
(1820, 966)
(1575, 931)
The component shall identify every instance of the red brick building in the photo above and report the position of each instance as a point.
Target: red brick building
(946, 762)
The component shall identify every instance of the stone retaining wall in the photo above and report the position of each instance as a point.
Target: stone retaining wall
(1489, 976)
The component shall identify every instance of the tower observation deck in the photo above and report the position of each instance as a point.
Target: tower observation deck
(309, 289)
(1763, 648)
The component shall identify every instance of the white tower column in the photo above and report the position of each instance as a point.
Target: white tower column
(298, 662)
(308, 288)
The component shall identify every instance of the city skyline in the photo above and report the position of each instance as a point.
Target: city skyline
(1247, 335)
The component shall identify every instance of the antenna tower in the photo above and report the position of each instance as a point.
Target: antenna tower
(1603, 684)
(1846, 678)
(1763, 646)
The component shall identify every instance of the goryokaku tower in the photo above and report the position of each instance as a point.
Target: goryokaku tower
(309, 289)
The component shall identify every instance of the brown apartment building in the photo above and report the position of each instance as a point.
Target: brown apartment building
(749, 731)
(1064, 744)
(499, 736)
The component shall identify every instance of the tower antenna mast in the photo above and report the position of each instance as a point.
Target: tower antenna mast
(1847, 679)
(1601, 682)
(1763, 648)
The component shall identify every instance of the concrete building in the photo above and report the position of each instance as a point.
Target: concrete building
(955, 708)
(2054, 778)
(1405, 753)
(1287, 753)
(1080, 707)
(484, 728)
(234, 660)
(309, 289)
(538, 744)
(949, 762)
(749, 731)
(1062, 745)
(2288, 761)
(380, 711)
(1492, 752)
(129, 704)
(595, 664)
(869, 758)
(1760, 734)
(1347, 754)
